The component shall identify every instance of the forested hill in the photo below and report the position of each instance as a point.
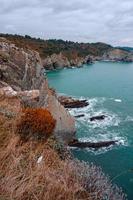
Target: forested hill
(130, 49)
(68, 48)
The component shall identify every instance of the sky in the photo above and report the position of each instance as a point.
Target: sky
(108, 21)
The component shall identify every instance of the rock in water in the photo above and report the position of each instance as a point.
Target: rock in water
(69, 102)
(96, 145)
(100, 117)
(78, 116)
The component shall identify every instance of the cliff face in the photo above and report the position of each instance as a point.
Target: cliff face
(21, 75)
(64, 121)
(118, 55)
(18, 68)
(57, 54)
(27, 60)
(59, 61)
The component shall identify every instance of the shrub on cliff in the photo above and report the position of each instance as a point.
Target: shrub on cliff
(35, 123)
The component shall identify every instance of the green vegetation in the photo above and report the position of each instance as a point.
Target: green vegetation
(48, 47)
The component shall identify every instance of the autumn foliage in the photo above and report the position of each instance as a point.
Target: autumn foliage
(35, 123)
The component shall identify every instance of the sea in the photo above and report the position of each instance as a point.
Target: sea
(108, 88)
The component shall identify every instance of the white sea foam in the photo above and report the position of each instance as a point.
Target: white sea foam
(129, 119)
(110, 136)
(118, 100)
(95, 131)
(110, 120)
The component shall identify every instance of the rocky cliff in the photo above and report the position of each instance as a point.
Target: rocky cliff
(18, 68)
(118, 55)
(21, 76)
(57, 54)
(59, 61)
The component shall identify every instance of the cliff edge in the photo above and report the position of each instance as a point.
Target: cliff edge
(22, 76)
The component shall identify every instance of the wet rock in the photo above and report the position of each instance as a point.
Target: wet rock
(95, 145)
(69, 102)
(99, 118)
(78, 116)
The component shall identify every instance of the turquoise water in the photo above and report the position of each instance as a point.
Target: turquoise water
(108, 87)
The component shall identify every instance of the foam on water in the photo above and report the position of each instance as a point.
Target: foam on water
(96, 131)
(111, 118)
(129, 119)
(121, 141)
(118, 100)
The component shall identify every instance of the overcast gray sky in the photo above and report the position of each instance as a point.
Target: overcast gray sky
(109, 21)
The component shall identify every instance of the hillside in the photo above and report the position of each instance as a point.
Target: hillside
(49, 47)
(57, 54)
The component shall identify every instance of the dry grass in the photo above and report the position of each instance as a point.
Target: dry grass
(35, 170)
(24, 177)
(9, 109)
(5, 130)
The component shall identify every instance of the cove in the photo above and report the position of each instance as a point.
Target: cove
(108, 87)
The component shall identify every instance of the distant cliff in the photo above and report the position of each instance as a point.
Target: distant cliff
(57, 54)
(118, 55)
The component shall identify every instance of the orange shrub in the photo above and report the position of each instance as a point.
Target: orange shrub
(35, 123)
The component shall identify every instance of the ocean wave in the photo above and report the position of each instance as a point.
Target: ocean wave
(111, 119)
(129, 119)
(106, 137)
(118, 100)
(99, 130)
